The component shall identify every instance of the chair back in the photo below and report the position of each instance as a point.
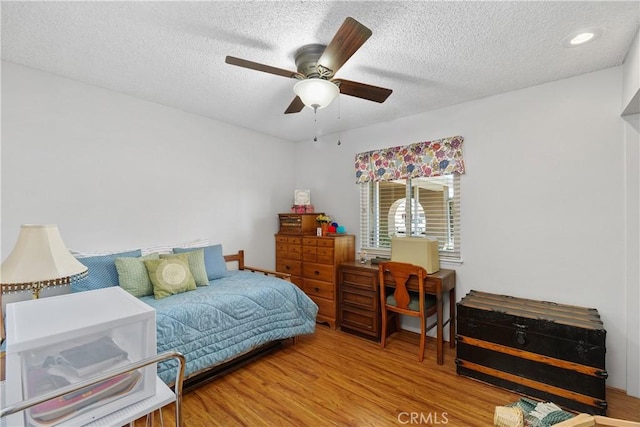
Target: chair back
(400, 273)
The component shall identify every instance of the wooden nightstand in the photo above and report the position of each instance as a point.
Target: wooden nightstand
(359, 301)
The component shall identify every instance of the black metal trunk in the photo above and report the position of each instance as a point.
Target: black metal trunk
(542, 349)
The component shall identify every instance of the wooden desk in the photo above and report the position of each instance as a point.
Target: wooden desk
(359, 301)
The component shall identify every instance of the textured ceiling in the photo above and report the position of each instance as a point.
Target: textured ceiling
(432, 54)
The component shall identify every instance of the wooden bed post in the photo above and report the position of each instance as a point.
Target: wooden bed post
(241, 260)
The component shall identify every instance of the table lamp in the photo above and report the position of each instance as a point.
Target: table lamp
(38, 260)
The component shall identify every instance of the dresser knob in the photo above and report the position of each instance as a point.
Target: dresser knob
(316, 272)
(286, 267)
(316, 289)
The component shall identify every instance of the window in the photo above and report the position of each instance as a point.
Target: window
(433, 212)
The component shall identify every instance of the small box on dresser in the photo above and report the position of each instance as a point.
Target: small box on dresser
(50, 341)
(549, 351)
(298, 223)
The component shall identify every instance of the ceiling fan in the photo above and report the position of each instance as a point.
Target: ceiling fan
(316, 66)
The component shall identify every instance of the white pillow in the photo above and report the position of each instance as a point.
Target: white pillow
(164, 249)
(85, 254)
(168, 249)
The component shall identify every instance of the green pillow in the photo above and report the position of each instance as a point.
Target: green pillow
(170, 276)
(196, 265)
(133, 276)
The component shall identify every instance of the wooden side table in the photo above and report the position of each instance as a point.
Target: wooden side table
(359, 301)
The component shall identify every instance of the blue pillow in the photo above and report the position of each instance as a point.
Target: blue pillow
(102, 271)
(214, 261)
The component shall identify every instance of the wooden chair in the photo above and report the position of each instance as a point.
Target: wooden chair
(396, 299)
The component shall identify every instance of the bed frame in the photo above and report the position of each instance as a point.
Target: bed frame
(239, 258)
(200, 378)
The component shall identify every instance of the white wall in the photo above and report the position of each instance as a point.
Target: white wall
(115, 172)
(543, 198)
(632, 187)
(631, 104)
(631, 78)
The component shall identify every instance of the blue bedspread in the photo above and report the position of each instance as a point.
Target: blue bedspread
(231, 316)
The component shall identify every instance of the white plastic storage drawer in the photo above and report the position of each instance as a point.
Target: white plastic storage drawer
(56, 341)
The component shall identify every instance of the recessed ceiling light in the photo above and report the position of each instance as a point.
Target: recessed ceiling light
(582, 36)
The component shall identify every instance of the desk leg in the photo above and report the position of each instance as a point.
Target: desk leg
(440, 337)
(452, 317)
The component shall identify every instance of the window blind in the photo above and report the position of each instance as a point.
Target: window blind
(426, 207)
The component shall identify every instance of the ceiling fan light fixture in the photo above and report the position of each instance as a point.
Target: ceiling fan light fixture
(316, 93)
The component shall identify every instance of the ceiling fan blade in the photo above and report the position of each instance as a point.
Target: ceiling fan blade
(364, 91)
(296, 106)
(261, 67)
(350, 36)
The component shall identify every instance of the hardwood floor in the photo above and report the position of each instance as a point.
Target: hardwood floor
(335, 379)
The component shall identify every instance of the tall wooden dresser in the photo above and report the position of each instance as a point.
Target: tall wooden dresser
(313, 264)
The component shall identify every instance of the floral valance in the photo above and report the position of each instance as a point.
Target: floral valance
(430, 158)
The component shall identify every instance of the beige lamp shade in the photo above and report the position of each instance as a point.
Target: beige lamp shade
(316, 93)
(40, 255)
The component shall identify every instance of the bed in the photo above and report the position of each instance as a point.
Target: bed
(235, 319)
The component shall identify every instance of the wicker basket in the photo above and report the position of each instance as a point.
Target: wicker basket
(508, 416)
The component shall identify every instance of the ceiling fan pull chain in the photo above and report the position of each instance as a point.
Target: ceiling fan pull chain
(315, 124)
(339, 110)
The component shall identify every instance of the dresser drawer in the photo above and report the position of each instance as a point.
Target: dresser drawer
(318, 272)
(285, 254)
(325, 255)
(326, 308)
(294, 251)
(288, 240)
(359, 298)
(289, 266)
(327, 243)
(310, 241)
(281, 239)
(309, 250)
(297, 280)
(318, 254)
(318, 288)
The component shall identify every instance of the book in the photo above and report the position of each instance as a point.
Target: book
(92, 357)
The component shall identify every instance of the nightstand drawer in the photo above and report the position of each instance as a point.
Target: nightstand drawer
(363, 321)
(318, 288)
(359, 298)
(367, 281)
(318, 272)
